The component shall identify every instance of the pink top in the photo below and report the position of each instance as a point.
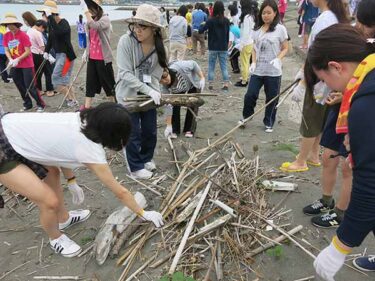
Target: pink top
(96, 52)
(283, 4)
(16, 44)
(37, 42)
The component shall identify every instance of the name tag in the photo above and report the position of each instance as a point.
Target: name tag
(146, 78)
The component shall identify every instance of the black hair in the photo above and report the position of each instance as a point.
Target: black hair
(249, 7)
(182, 11)
(134, 12)
(160, 49)
(202, 6)
(338, 8)
(366, 12)
(210, 4)
(162, 9)
(219, 9)
(273, 5)
(41, 23)
(80, 18)
(233, 10)
(108, 124)
(340, 43)
(173, 74)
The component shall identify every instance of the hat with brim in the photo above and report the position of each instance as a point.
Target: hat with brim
(95, 5)
(148, 15)
(49, 6)
(11, 18)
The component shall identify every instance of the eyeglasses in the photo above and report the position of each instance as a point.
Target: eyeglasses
(139, 26)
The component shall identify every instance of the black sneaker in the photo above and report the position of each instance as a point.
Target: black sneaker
(317, 207)
(225, 89)
(240, 84)
(211, 88)
(327, 220)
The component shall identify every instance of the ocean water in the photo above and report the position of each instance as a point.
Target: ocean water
(69, 12)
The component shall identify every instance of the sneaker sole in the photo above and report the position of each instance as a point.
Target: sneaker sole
(69, 255)
(326, 227)
(85, 219)
(141, 178)
(320, 213)
(361, 268)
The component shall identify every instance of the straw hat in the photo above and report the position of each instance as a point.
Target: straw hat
(148, 14)
(49, 5)
(10, 18)
(94, 4)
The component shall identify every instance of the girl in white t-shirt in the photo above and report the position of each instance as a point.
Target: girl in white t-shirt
(33, 146)
(270, 47)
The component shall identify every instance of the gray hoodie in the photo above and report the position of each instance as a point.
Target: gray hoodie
(178, 29)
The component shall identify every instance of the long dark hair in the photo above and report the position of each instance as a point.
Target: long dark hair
(218, 11)
(182, 11)
(233, 10)
(249, 7)
(273, 5)
(160, 49)
(338, 8)
(29, 18)
(340, 43)
(366, 13)
(80, 18)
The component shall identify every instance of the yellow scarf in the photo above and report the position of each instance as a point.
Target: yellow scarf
(367, 65)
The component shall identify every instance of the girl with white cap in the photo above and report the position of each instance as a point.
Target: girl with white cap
(141, 58)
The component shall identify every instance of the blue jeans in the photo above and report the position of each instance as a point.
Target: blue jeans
(142, 142)
(222, 56)
(82, 40)
(271, 88)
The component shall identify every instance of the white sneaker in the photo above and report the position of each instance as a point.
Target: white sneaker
(242, 124)
(75, 216)
(72, 103)
(189, 134)
(40, 109)
(268, 129)
(142, 174)
(173, 136)
(150, 166)
(65, 246)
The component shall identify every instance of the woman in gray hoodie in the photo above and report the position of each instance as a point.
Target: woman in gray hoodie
(177, 35)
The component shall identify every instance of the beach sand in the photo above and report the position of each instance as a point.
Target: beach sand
(216, 117)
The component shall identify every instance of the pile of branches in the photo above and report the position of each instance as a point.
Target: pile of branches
(217, 218)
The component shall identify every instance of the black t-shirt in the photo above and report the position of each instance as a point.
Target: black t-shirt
(59, 38)
(218, 33)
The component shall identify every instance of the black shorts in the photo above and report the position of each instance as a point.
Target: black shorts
(99, 75)
(188, 34)
(330, 139)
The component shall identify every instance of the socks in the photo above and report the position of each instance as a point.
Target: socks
(327, 200)
(339, 213)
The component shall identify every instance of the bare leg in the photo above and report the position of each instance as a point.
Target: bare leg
(88, 102)
(306, 147)
(53, 180)
(314, 153)
(346, 187)
(68, 173)
(23, 181)
(329, 171)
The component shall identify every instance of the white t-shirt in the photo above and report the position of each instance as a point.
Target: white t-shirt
(37, 42)
(247, 29)
(267, 47)
(52, 139)
(325, 19)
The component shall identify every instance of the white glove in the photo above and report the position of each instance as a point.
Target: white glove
(77, 194)
(328, 262)
(300, 75)
(84, 56)
(83, 6)
(240, 47)
(276, 63)
(155, 96)
(51, 59)
(298, 92)
(202, 83)
(45, 56)
(252, 67)
(14, 62)
(321, 92)
(155, 217)
(168, 131)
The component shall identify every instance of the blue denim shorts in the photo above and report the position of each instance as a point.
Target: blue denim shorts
(61, 74)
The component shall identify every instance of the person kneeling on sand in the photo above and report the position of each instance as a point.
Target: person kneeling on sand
(34, 145)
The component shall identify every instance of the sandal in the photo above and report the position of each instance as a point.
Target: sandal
(50, 93)
(311, 163)
(285, 167)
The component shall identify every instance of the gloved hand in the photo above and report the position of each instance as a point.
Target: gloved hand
(276, 63)
(168, 131)
(321, 92)
(298, 92)
(328, 262)
(155, 217)
(83, 6)
(14, 62)
(45, 56)
(51, 59)
(155, 96)
(84, 56)
(202, 83)
(77, 194)
(300, 75)
(240, 47)
(252, 67)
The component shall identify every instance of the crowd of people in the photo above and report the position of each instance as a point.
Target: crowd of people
(335, 87)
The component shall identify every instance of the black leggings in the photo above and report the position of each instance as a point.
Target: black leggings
(46, 70)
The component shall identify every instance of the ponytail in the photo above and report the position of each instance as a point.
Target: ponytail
(338, 8)
(160, 49)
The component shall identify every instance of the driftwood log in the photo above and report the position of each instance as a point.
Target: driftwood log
(116, 224)
(178, 100)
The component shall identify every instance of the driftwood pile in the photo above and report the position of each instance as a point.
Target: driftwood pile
(217, 218)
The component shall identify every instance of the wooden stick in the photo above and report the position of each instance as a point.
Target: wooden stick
(145, 186)
(14, 269)
(190, 226)
(57, 277)
(174, 154)
(213, 257)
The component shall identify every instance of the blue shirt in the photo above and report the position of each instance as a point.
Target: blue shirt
(311, 12)
(2, 50)
(236, 31)
(198, 17)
